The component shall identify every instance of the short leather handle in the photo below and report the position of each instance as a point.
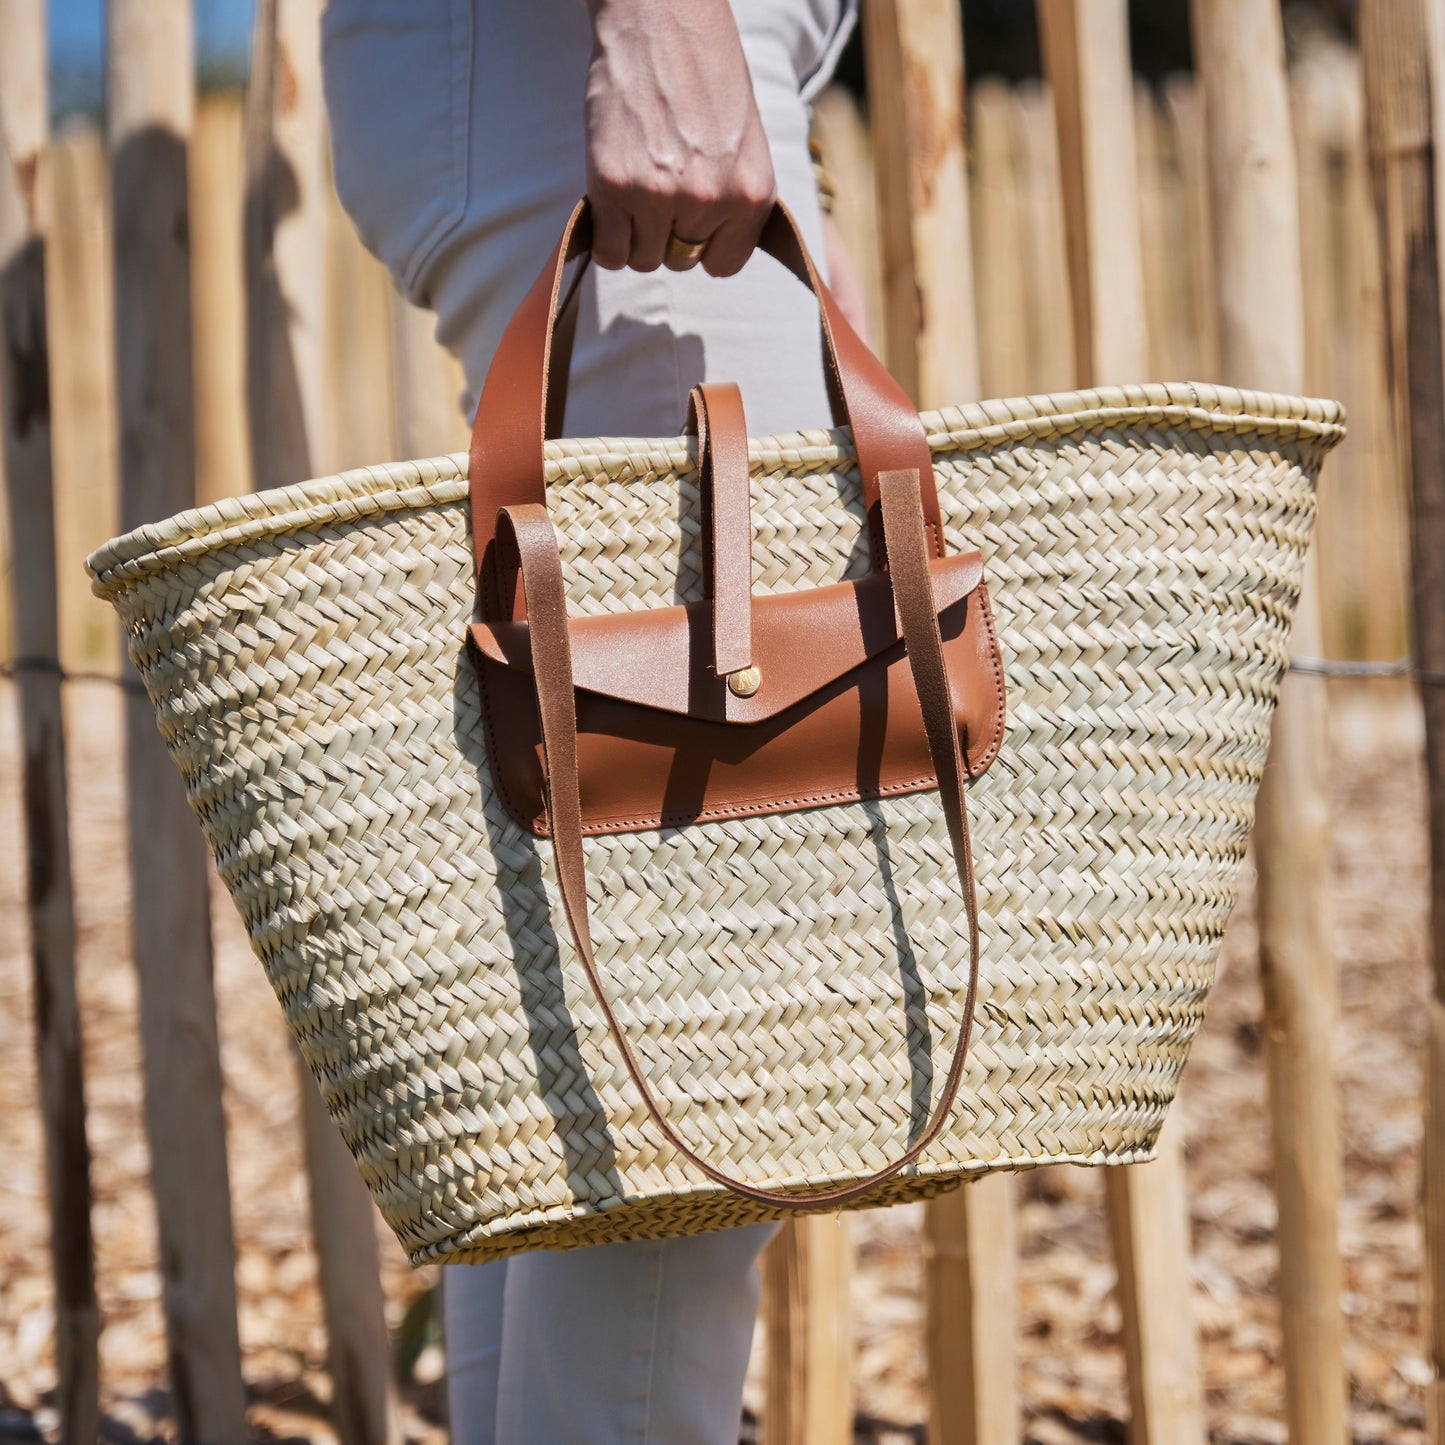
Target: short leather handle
(715, 416)
(527, 531)
(525, 381)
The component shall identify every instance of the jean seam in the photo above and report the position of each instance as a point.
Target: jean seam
(461, 42)
(652, 1346)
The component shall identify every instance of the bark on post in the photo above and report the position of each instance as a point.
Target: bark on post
(915, 80)
(1258, 287)
(29, 490)
(1396, 47)
(286, 214)
(150, 97)
(1086, 58)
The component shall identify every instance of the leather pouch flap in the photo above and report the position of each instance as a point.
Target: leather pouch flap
(802, 642)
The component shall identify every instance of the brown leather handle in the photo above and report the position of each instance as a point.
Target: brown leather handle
(527, 530)
(715, 416)
(520, 402)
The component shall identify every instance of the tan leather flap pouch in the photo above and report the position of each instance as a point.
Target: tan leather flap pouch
(664, 741)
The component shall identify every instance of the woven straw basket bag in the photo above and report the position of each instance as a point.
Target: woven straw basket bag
(792, 983)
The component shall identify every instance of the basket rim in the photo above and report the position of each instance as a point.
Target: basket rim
(369, 491)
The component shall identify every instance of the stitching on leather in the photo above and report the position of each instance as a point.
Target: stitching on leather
(594, 827)
(1000, 704)
(756, 808)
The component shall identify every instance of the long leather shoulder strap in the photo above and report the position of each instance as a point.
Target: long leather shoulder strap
(528, 530)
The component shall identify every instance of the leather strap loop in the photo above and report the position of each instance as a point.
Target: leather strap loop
(528, 529)
(715, 415)
(522, 400)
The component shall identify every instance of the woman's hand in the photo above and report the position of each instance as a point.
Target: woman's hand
(675, 146)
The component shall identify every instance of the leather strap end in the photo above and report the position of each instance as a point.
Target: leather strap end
(715, 412)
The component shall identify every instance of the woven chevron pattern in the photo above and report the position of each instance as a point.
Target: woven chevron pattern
(793, 984)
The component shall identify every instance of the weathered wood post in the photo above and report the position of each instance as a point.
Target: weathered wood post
(1255, 210)
(223, 446)
(808, 1376)
(428, 386)
(1164, 251)
(1335, 545)
(1184, 105)
(359, 351)
(1000, 252)
(1383, 582)
(285, 239)
(808, 1365)
(1397, 50)
(1086, 57)
(29, 491)
(848, 155)
(150, 98)
(82, 388)
(1048, 323)
(915, 83)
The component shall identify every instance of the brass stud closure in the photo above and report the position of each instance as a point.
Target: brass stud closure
(745, 681)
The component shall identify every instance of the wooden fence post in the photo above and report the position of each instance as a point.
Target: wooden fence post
(1165, 254)
(1000, 256)
(428, 386)
(914, 51)
(848, 155)
(808, 1376)
(915, 83)
(25, 428)
(359, 350)
(1318, 158)
(970, 1251)
(82, 388)
(1047, 321)
(1403, 136)
(1087, 62)
(1362, 538)
(1255, 209)
(223, 446)
(1183, 104)
(150, 97)
(1384, 538)
(286, 219)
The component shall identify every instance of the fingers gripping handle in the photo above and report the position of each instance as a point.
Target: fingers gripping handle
(521, 402)
(528, 530)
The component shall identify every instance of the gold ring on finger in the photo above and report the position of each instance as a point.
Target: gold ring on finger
(684, 249)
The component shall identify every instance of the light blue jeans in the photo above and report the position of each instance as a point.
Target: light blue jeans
(458, 146)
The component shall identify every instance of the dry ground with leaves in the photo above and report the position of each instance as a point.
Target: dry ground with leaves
(1073, 1386)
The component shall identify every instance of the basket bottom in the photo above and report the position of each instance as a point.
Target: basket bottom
(710, 1207)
